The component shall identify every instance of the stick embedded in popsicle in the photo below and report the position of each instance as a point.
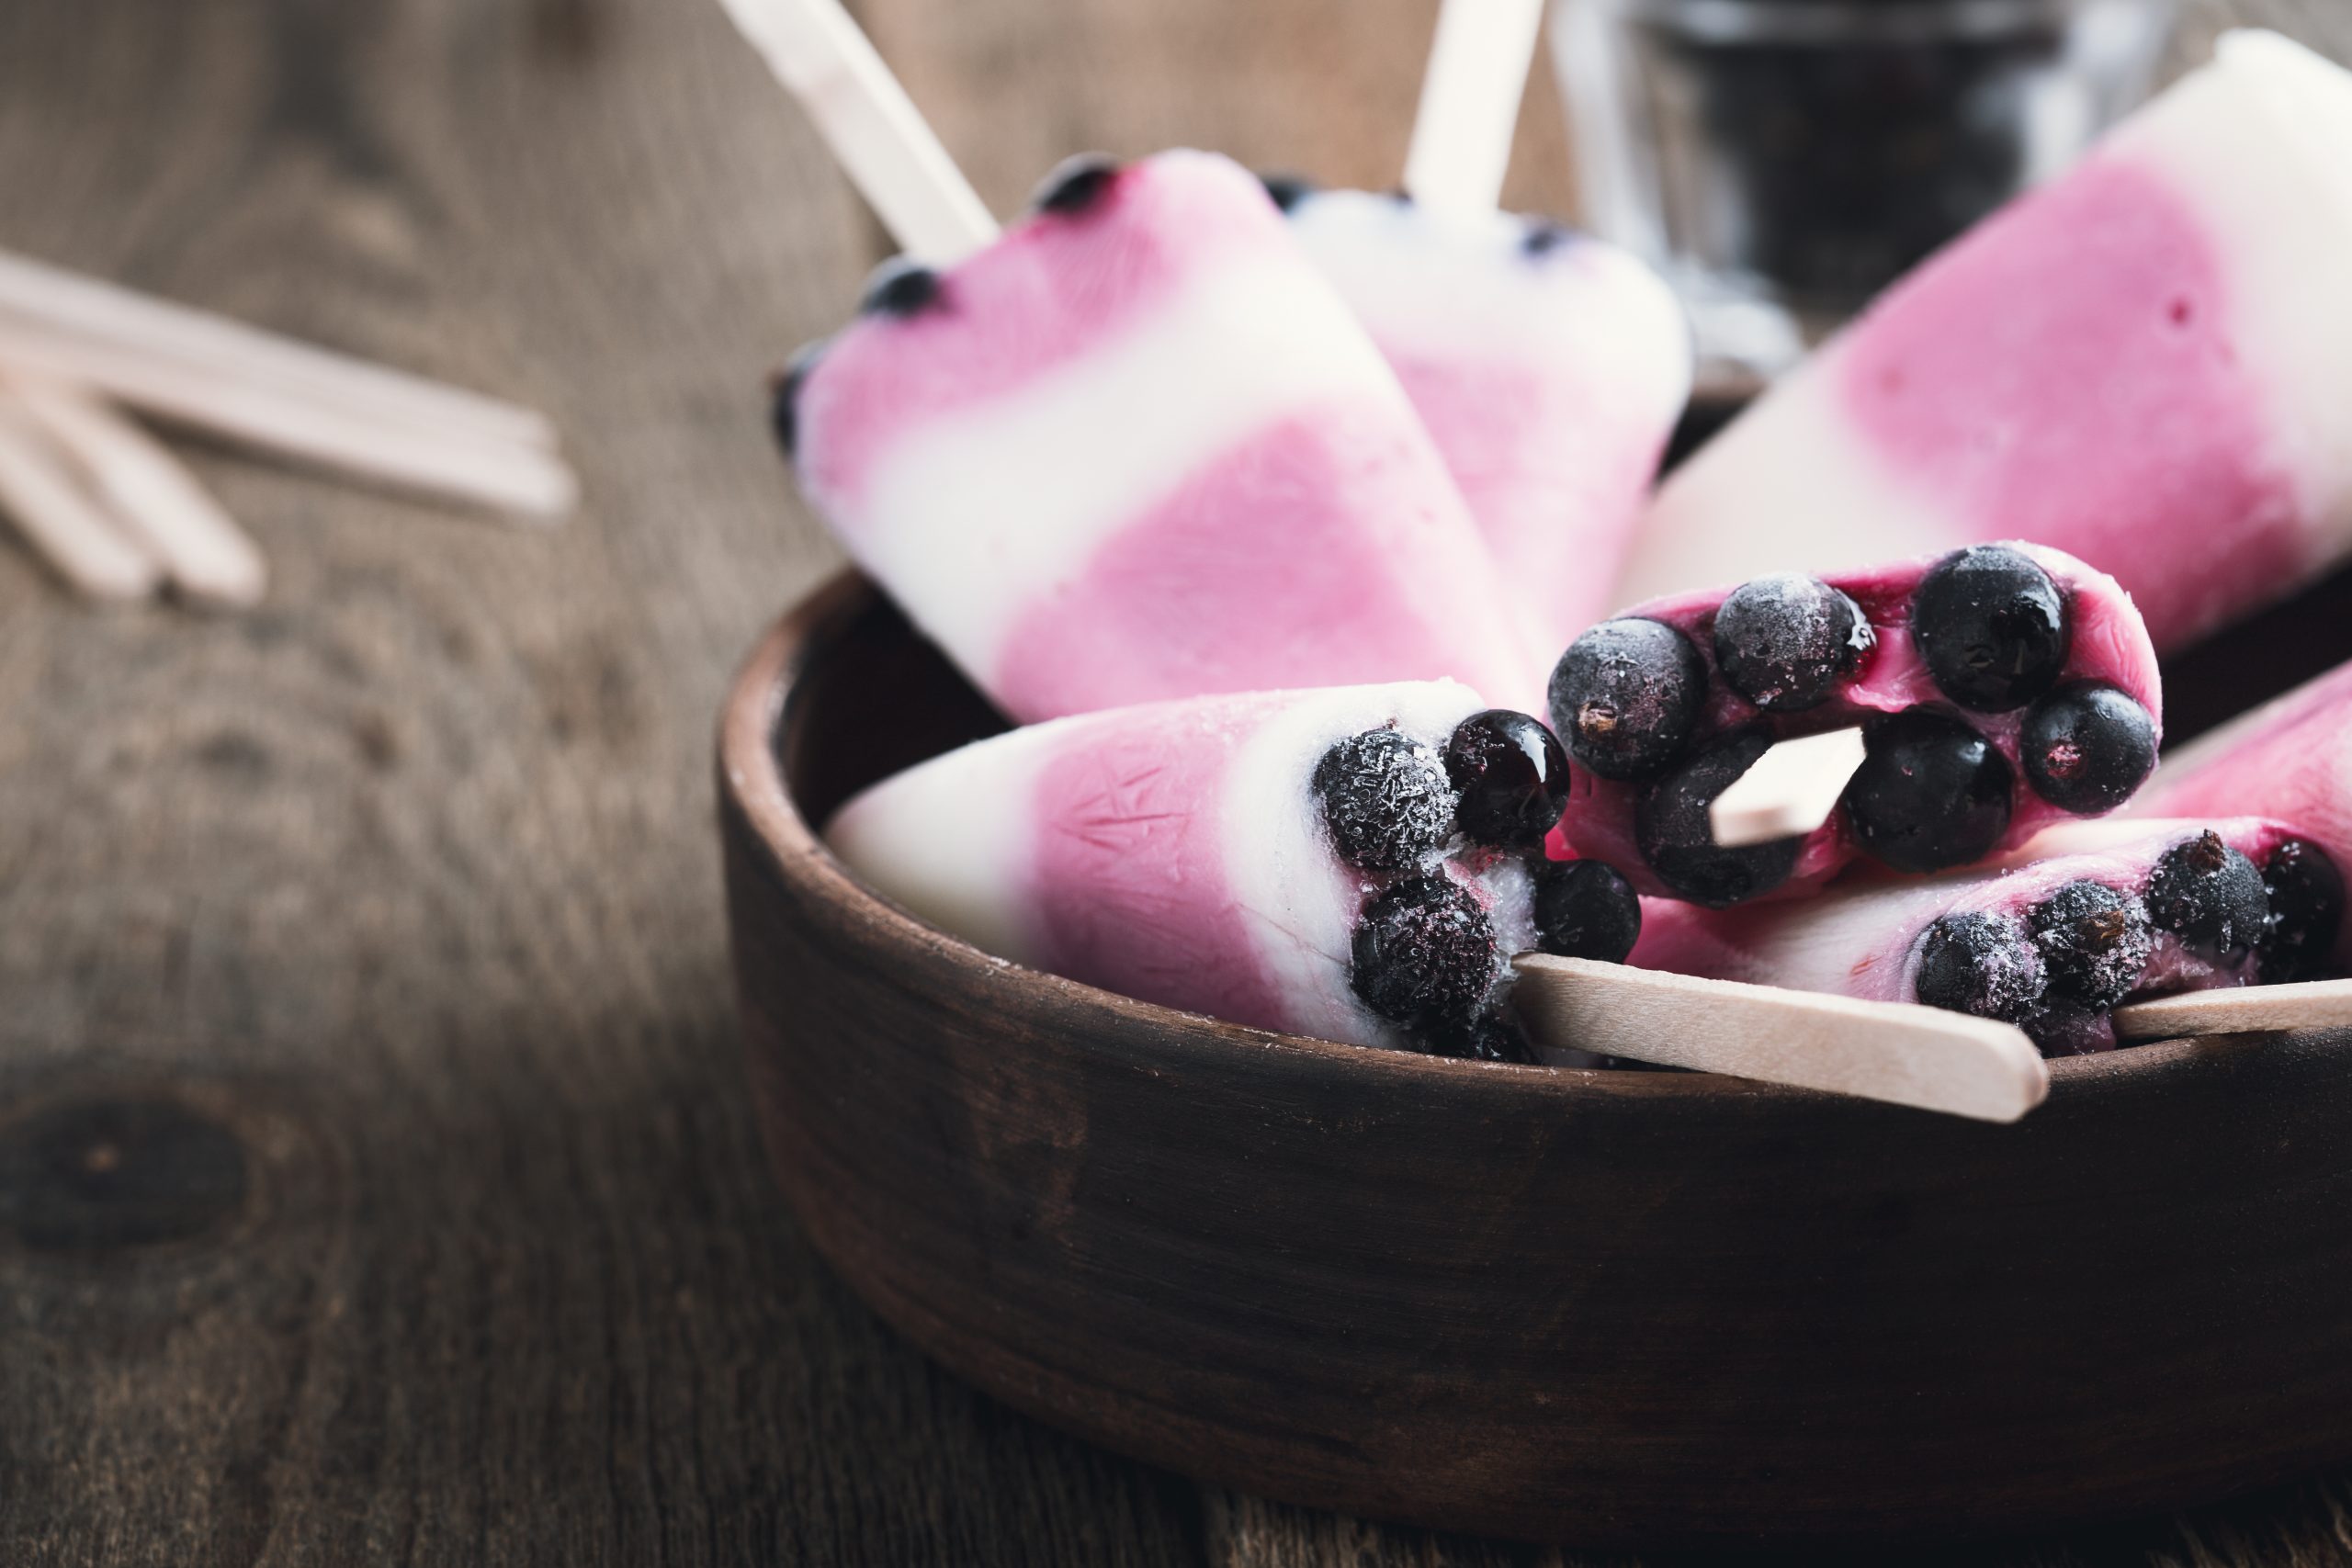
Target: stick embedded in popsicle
(2259, 1010)
(39, 493)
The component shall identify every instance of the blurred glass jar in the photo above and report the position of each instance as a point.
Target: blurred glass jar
(1783, 160)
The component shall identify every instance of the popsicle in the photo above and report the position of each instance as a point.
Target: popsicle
(1353, 863)
(2000, 687)
(2146, 363)
(2291, 758)
(1550, 367)
(2052, 938)
(1138, 449)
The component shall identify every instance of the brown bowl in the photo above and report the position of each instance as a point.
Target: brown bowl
(1614, 1309)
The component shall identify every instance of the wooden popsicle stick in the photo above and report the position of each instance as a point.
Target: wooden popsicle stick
(1884, 1050)
(881, 140)
(209, 558)
(516, 478)
(2252, 1010)
(105, 312)
(1790, 789)
(38, 493)
(1469, 112)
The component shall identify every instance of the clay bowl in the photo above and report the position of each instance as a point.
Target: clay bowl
(1612, 1309)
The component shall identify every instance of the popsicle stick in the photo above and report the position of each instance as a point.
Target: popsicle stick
(209, 559)
(38, 494)
(98, 312)
(1790, 789)
(1884, 1050)
(882, 141)
(2254, 1009)
(1477, 71)
(520, 479)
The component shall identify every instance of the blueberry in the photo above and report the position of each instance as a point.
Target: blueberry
(1076, 184)
(2087, 747)
(1490, 1038)
(1584, 909)
(1671, 829)
(1626, 695)
(1288, 190)
(1992, 626)
(2306, 911)
(1785, 641)
(2211, 896)
(1931, 792)
(900, 287)
(1385, 800)
(1542, 236)
(1424, 956)
(1512, 775)
(2095, 941)
(1983, 964)
(784, 408)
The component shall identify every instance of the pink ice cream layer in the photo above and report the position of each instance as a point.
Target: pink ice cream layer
(2110, 644)
(1864, 940)
(2071, 372)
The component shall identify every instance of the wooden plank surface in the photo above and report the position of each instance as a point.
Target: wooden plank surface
(376, 1182)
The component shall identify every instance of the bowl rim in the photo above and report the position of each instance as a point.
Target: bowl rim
(751, 778)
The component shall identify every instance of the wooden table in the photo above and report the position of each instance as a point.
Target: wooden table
(376, 1180)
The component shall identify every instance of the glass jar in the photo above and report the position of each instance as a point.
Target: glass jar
(1783, 160)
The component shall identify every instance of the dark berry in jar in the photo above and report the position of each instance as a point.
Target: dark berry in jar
(1983, 964)
(2211, 896)
(1992, 626)
(1785, 641)
(1584, 910)
(1385, 800)
(1511, 775)
(2088, 747)
(1672, 831)
(1626, 695)
(1424, 956)
(2306, 890)
(2095, 941)
(1931, 792)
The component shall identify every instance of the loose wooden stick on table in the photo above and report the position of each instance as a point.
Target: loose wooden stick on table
(1885, 1051)
(209, 559)
(73, 533)
(2255, 1010)
(519, 479)
(39, 294)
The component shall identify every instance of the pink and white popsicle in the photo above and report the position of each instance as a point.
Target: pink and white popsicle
(2146, 363)
(2053, 938)
(1550, 368)
(2291, 759)
(1355, 862)
(1139, 448)
(2001, 687)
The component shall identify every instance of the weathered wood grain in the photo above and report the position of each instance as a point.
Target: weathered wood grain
(375, 1179)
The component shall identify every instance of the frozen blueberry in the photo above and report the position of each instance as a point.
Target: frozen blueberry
(2306, 911)
(2211, 896)
(1785, 641)
(1490, 1038)
(1424, 956)
(1981, 964)
(1992, 626)
(1288, 190)
(2087, 747)
(1626, 695)
(1543, 235)
(784, 409)
(1671, 829)
(1385, 800)
(1584, 909)
(1512, 775)
(1931, 792)
(900, 287)
(1076, 184)
(2095, 941)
